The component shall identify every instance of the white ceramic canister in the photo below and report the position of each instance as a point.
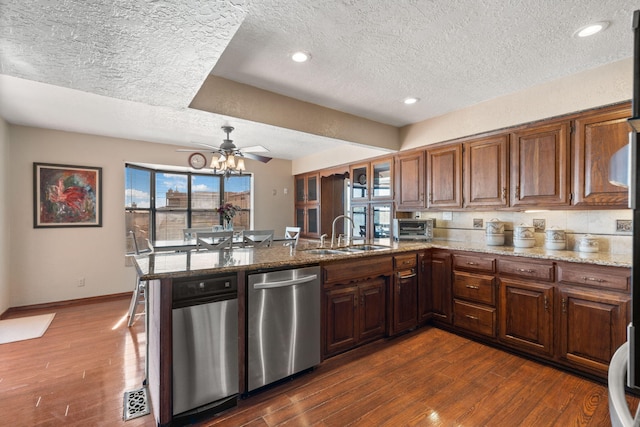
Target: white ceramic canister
(494, 232)
(523, 236)
(555, 239)
(589, 243)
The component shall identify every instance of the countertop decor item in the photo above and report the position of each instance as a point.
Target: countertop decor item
(589, 243)
(494, 232)
(555, 239)
(524, 236)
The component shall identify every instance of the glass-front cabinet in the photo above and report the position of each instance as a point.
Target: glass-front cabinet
(307, 204)
(359, 182)
(372, 220)
(382, 179)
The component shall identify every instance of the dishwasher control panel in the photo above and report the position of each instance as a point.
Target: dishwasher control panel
(204, 289)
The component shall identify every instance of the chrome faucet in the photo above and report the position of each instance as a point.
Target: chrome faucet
(324, 236)
(333, 229)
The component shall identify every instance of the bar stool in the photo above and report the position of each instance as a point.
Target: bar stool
(138, 296)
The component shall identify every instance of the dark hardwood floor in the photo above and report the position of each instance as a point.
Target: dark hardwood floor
(77, 373)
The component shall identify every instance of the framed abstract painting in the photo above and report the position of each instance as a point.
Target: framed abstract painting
(66, 196)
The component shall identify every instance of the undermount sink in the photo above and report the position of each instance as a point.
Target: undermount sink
(367, 247)
(324, 251)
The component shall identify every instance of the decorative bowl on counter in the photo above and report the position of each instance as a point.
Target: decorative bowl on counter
(494, 232)
(589, 243)
(555, 239)
(523, 236)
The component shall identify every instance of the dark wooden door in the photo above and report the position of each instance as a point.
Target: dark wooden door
(486, 172)
(372, 308)
(410, 180)
(597, 137)
(592, 326)
(405, 300)
(441, 302)
(444, 177)
(526, 315)
(341, 324)
(540, 166)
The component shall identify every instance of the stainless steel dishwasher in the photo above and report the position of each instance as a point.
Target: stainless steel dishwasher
(205, 345)
(283, 324)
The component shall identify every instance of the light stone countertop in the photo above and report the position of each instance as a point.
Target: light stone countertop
(161, 265)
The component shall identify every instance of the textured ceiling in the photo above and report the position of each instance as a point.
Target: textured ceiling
(130, 68)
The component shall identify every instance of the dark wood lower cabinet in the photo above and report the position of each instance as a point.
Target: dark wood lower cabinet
(441, 303)
(592, 327)
(355, 314)
(526, 315)
(405, 301)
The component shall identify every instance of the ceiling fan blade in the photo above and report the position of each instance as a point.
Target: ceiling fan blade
(258, 157)
(254, 149)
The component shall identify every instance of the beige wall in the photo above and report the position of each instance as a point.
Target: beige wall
(46, 263)
(4, 217)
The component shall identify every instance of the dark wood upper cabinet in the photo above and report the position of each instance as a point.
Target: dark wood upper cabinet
(486, 172)
(307, 204)
(360, 180)
(444, 176)
(540, 165)
(382, 179)
(597, 137)
(410, 180)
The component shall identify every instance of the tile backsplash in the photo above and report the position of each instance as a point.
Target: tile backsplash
(605, 225)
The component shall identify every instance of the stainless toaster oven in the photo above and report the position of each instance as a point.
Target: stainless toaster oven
(413, 229)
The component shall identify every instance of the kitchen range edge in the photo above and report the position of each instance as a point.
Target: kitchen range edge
(162, 270)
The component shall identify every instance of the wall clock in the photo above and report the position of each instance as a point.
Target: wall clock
(197, 160)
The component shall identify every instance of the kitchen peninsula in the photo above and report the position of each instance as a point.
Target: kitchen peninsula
(471, 289)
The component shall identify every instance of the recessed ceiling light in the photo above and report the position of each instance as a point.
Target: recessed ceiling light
(591, 29)
(301, 56)
(410, 101)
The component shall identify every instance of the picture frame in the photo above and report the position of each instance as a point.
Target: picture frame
(66, 196)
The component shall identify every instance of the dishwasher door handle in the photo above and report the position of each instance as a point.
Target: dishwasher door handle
(285, 283)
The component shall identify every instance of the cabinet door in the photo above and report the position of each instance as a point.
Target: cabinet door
(410, 180)
(341, 323)
(526, 315)
(301, 189)
(312, 226)
(372, 308)
(441, 302)
(592, 326)
(313, 188)
(540, 166)
(597, 137)
(382, 179)
(486, 172)
(405, 301)
(381, 214)
(359, 182)
(444, 177)
(424, 287)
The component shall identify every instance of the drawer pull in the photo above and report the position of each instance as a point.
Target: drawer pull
(564, 305)
(468, 316)
(593, 279)
(472, 287)
(472, 263)
(408, 276)
(546, 303)
(525, 270)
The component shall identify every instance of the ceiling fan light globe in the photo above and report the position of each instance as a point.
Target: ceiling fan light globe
(215, 164)
(240, 166)
(231, 161)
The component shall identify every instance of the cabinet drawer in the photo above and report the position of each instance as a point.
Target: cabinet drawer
(526, 269)
(616, 278)
(474, 318)
(404, 261)
(474, 263)
(474, 287)
(354, 270)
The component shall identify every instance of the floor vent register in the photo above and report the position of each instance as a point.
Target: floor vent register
(135, 404)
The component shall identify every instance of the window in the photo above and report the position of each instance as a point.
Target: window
(160, 203)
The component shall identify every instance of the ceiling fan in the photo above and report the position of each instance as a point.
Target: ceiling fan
(228, 152)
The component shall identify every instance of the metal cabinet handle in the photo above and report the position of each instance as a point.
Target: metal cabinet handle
(517, 192)
(471, 263)
(504, 193)
(593, 279)
(546, 303)
(564, 305)
(525, 270)
(472, 287)
(468, 316)
(408, 276)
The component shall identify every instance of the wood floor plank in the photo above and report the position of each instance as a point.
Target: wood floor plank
(77, 373)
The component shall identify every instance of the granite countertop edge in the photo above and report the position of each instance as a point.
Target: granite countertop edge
(277, 257)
